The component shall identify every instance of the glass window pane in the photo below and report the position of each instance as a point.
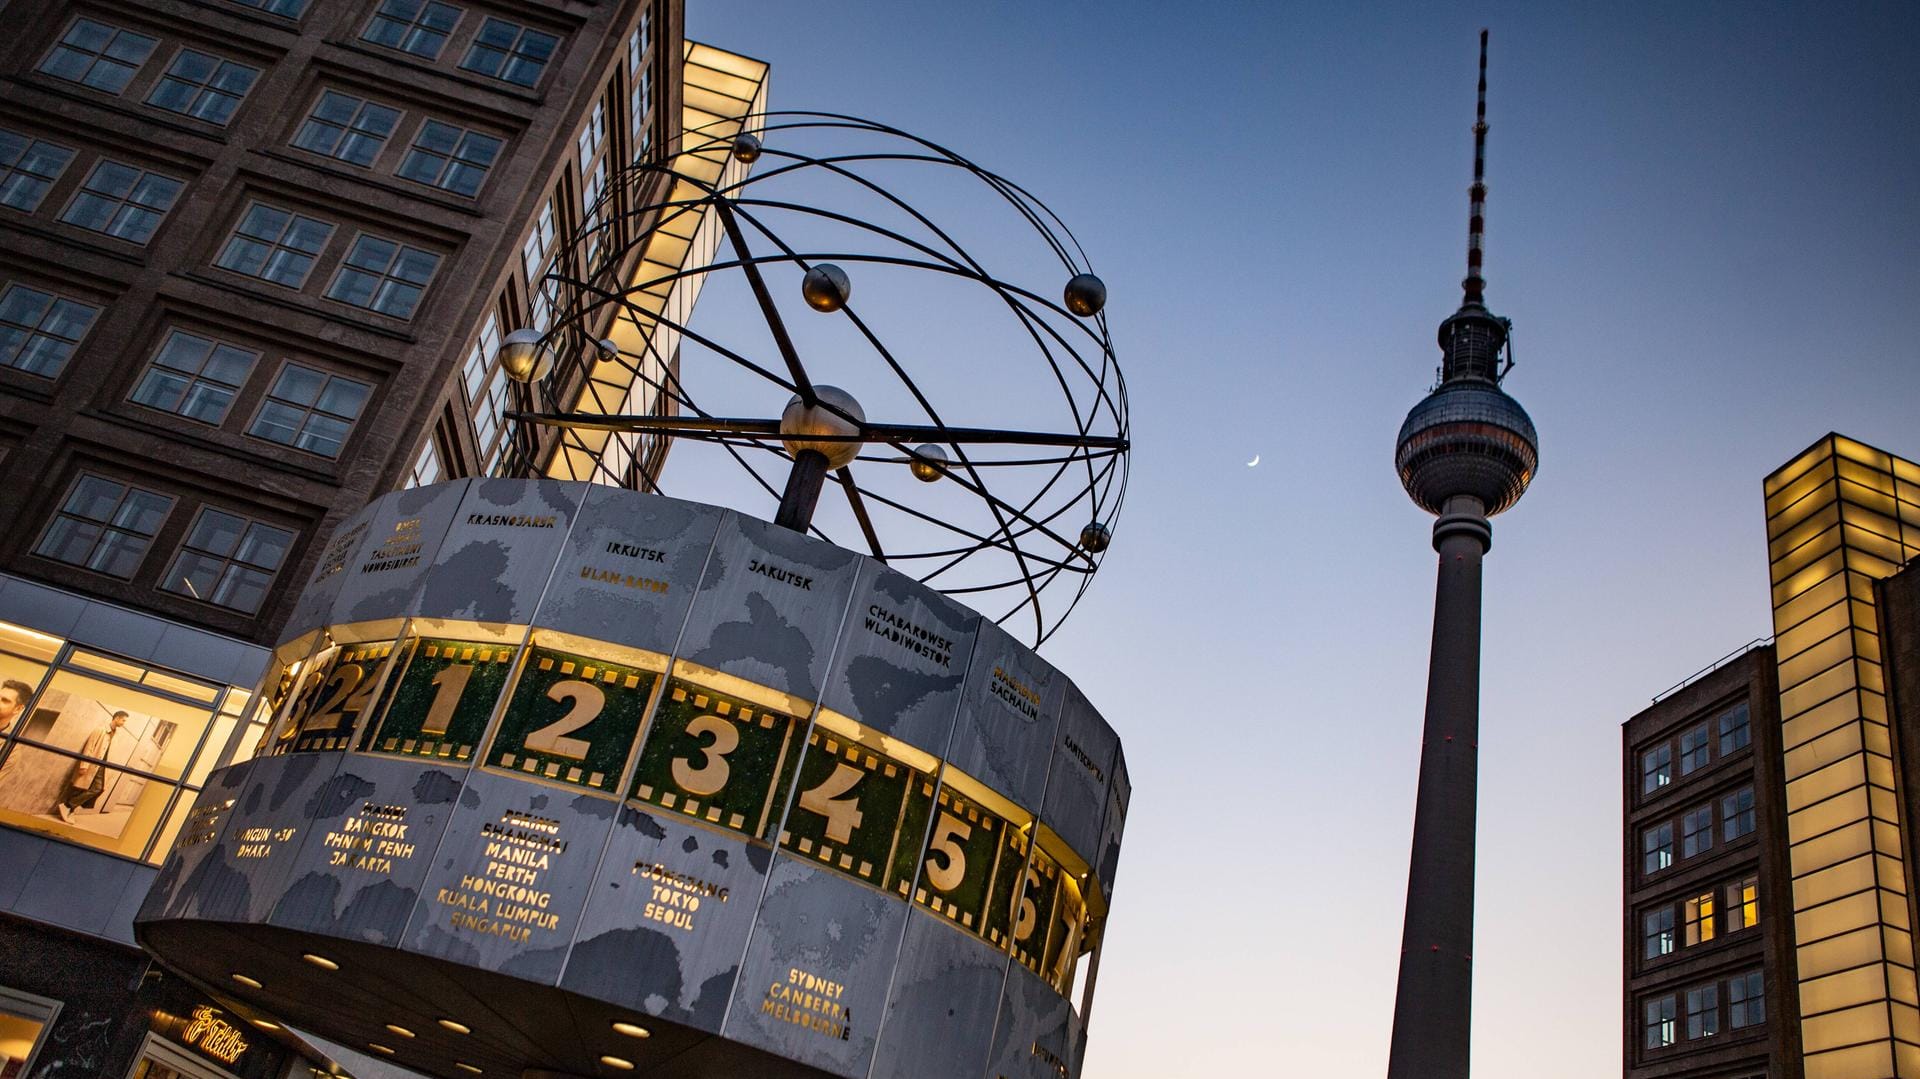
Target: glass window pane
(343, 397)
(216, 532)
(300, 385)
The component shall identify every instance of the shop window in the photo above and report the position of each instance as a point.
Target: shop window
(28, 167)
(194, 376)
(310, 410)
(94, 54)
(24, 1022)
(228, 560)
(24, 658)
(39, 331)
(510, 52)
(104, 526)
(420, 27)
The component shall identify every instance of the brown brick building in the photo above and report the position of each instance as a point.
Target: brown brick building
(258, 256)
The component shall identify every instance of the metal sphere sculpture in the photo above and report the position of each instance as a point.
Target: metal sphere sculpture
(525, 357)
(988, 374)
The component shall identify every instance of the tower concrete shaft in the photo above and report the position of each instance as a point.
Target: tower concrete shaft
(1432, 1008)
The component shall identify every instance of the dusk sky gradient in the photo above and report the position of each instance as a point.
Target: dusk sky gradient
(1702, 221)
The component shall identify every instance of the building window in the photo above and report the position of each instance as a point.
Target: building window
(1703, 1011)
(123, 202)
(104, 526)
(383, 276)
(533, 262)
(1656, 768)
(24, 1023)
(274, 245)
(510, 52)
(1660, 1026)
(1656, 844)
(638, 107)
(94, 54)
(1743, 905)
(310, 410)
(593, 135)
(286, 9)
(38, 330)
(1700, 919)
(592, 191)
(449, 157)
(1736, 813)
(228, 560)
(1746, 1000)
(1696, 832)
(28, 167)
(416, 26)
(1659, 932)
(1733, 729)
(203, 87)
(348, 128)
(194, 376)
(487, 391)
(1693, 749)
(426, 467)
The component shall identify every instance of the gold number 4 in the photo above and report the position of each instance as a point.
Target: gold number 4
(713, 771)
(584, 702)
(843, 814)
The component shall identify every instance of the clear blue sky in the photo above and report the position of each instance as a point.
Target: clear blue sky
(1703, 224)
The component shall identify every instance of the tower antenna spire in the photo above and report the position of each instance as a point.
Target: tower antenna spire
(1475, 285)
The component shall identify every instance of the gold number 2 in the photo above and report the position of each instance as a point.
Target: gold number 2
(947, 837)
(843, 814)
(333, 714)
(584, 702)
(713, 771)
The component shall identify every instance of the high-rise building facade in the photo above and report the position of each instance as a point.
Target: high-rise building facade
(259, 255)
(1843, 531)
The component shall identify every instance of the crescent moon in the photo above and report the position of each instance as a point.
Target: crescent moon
(1255, 461)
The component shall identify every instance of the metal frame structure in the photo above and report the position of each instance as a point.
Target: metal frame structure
(1074, 477)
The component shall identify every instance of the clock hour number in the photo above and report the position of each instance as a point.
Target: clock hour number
(1028, 919)
(948, 836)
(842, 813)
(584, 700)
(712, 773)
(347, 696)
(448, 685)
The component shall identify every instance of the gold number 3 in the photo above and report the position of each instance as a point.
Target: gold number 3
(713, 771)
(584, 702)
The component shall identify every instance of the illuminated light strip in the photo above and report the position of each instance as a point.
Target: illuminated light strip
(1832, 515)
(719, 90)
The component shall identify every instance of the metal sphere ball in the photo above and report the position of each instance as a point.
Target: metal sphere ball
(1086, 295)
(746, 148)
(524, 356)
(826, 287)
(802, 424)
(1095, 537)
(929, 463)
(608, 348)
(1467, 438)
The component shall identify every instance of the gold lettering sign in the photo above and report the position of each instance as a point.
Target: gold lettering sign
(214, 1036)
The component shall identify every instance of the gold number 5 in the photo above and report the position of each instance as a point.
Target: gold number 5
(584, 702)
(713, 771)
(947, 837)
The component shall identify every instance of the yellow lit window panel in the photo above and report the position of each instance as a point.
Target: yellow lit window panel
(1792, 639)
(1812, 456)
(1797, 534)
(1795, 491)
(1886, 838)
(1822, 687)
(1814, 552)
(1857, 1062)
(1847, 989)
(1879, 770)
(1789, 585)
(1843, 741)
(1893, 910)
(1874, 737)
(1841, 775)
(1906, 1020)
(1879, 500)
(1832, 882)
(1866, 645)
(1907, 1056)
(1840, 916)
(1817, 657)
(1904, 470)
(1866, 541)
(1862, 561)
(1870, 677)
(1885, 806)
(1896, 945)
(1809, 603)
(1873, 708)
(1892, 873)
(1842, 952)
(1902, 985)
(1817, 722)
(1852, 1026)
(1847, 449)
(1873, 511)
(1830, 846)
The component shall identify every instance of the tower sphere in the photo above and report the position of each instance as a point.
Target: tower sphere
(524, 356)
(826, 287)
(1467, 438)
(746, 148)
(801, 423)
(1085, 295)
(1095, 537)
(928, 462)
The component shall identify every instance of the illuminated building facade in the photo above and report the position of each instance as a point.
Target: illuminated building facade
(1843, 519)
(258, 256)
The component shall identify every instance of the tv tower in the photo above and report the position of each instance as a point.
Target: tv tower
(1466, 452)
